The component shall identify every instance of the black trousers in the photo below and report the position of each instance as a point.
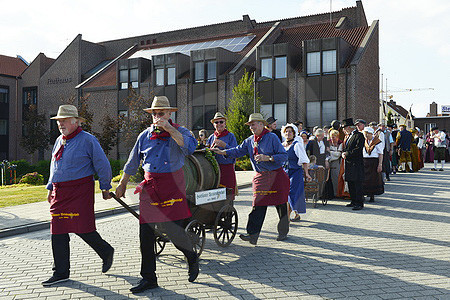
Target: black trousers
(258, 214)
(177, 235)
(61, 250)
(356, 192)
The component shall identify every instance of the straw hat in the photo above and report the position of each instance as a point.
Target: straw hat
(160, 103)
(218, 116)
(256, 117)
(67, 111)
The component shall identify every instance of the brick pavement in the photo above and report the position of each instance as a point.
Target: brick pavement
(396, 248)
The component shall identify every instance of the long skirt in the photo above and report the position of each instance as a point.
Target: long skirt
(415, 157)
(335, 167)
(373, 181)
(429, 156)
(296, 196)
(394, 158)
(341, 192)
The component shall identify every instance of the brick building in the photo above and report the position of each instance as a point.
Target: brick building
(307, 68)
(433, 119)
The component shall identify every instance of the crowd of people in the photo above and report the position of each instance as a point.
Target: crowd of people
(358, 159)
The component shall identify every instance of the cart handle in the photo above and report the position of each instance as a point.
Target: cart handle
(126, 206)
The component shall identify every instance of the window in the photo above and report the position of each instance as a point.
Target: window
(279, 113)
(199, 75)
(3, 127)
(329, 61)
(197, 117)
(280, 67)
(29, 96)
(134, 78)
(428, 127)
(160, 77)
(4, 94)
(211, 70)
(266, 110)
(313, 63)
(313, 114)
(266, 67)
(123, 79)
(328, 111)
(171, 77)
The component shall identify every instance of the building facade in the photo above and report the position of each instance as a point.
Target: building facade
(310, 68)
(433, 119)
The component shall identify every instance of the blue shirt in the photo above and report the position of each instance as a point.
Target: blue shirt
(82, 156)
(231, 142)
(269, 145)
(159, 156)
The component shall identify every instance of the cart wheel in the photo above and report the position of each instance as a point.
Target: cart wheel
(196, 233)
(160, 243)
(324, 202)
(225, 226)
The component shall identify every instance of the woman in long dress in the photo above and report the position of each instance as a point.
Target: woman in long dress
(335, 158)
(373, 165)
(296, 163)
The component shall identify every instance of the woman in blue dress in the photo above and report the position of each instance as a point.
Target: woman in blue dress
(297, 159)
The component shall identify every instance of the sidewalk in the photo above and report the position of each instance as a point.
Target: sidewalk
(35, 216)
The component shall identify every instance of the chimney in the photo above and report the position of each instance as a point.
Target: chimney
(248, 23)
(433, 109)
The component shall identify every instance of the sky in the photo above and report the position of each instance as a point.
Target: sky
(414, 34)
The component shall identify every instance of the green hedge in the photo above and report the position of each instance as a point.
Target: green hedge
(32, 178)
(243, 164)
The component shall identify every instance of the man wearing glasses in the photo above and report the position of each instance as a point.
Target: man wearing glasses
(223, 139)
(162, 200)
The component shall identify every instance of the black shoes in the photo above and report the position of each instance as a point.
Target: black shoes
(296, 219)
(441, 169)
(350, 205)
(249, 238)
(142, 286)
(107, 262)
(357, 207)
(281, 237)
(54, 280)
(193, 270)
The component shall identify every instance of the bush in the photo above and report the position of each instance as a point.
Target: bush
(243, 164)
(138, 177)
(32, 178)
(116, 166)
(42, 167)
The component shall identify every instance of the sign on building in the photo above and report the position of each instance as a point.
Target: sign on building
(445, 109)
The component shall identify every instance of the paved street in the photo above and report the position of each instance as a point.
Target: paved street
(396, 248)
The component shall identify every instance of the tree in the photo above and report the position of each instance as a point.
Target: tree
(35, 133)
(241, 106)
(136, 120)
(389, 118)
(108, 136)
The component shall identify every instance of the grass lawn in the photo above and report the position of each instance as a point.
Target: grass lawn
(17, 194)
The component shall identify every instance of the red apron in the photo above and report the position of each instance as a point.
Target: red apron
(227, 176)
(163, 198)
(270, 188)
(72, 206)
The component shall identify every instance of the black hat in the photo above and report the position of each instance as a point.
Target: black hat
(360, 121)
(434, 128)
(373, 124)
(335, 124)
(394, 125)
(390, 125)
(347, 122)
(270, 120)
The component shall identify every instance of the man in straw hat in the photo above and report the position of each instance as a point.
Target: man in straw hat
(162, 148)
(352, 153)
(223, 139)
(76, 157)
(271, 183)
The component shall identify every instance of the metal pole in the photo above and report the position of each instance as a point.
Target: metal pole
(254, 92)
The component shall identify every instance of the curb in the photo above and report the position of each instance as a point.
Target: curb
(8, 232)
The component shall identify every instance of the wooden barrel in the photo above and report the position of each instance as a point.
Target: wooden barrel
(199, 173)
